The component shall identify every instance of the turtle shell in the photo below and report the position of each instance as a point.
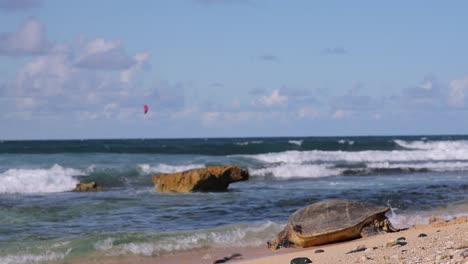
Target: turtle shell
(331, 221)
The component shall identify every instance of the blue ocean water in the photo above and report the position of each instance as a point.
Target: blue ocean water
(42, 221)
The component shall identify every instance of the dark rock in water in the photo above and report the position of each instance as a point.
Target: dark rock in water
(226, 259)
(319, 251)
(209, 179)
(422, 235)
(87, 187)
(302, 260)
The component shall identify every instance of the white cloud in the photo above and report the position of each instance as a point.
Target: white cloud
(274, 99)
(100, 45)
(44, 75)
(142, 62)
(101, 54)
(341, 114)
(221, 119)
(426, 85)
(53, 85)
(308, 112)
(210, 117)
(457, 92)
(29, 39)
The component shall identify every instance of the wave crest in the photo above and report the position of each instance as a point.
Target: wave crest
(54, 179)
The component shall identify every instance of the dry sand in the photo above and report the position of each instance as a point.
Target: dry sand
(445, 242)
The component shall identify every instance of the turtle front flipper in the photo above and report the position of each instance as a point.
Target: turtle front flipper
(388, 227)
(378, 226)
(281, 241)
(371, 229)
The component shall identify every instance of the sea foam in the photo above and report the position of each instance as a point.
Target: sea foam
(32, 258)
(54, 179)
(296, 142)
(166, 168)
(420, 155)
(295, 170)
(225, 236)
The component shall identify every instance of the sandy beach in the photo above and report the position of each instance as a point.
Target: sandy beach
(438, 242)
(445, 242)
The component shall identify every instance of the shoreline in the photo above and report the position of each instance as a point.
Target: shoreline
(444, 241)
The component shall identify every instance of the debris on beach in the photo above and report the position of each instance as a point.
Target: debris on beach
(226, 259)
(358, 249)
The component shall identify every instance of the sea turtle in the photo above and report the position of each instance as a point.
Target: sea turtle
(332, 221)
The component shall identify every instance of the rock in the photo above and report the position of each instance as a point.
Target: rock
(300, 261)
(319, 251)
(464, 253)
(87, 187)
(422, 235)
(212, 178)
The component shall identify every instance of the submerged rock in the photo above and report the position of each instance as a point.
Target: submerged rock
(212, 178)
(87, 187)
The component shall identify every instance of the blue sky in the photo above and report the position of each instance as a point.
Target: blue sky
(232, 68)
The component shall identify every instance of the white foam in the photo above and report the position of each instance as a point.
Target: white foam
(407, 220)
(295, 170)
(433, 166)
(227, 236)
(32, 258)
(245, 143)
(298, 157)
(54, 179)
(445, 145)
(345, 141)
(166, 168)
(105, 244)
(296, 142)
(435, 156)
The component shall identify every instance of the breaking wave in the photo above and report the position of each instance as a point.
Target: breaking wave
(166, 168)
(222, 237)
(54, 179)
(421, 155)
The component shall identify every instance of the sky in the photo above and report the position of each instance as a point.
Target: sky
(232, 68)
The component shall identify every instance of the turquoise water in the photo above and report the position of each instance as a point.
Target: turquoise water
(41, 220)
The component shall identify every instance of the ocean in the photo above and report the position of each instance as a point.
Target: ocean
(42, 221)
